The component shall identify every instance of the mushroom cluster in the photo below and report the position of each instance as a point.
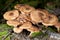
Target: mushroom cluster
(24, 16)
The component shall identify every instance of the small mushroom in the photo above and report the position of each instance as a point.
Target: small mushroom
(23, 8)
(35, 17)
(13, 23)
(11, 15)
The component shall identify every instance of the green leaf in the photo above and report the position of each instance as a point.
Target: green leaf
(2, 34)
(36, 34)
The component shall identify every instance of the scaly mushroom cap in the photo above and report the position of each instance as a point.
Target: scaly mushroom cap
(17, 30)
(50, 21)
(11, 15)
(13, 23)
(35, 17)
(25, 9)
(43, 13)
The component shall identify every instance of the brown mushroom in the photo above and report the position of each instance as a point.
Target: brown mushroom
(28, 26)
(50, 21)
(11, 15)
(13, 23)
(23, 8)
(35, 17)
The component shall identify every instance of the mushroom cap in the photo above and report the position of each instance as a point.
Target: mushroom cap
(17, 30)
(35, 16)
(25, 9)
(43, 13)
(51, 20)
(33, 29)
(13, 23)
(11, 15)
(23, 18)
(28, 26)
